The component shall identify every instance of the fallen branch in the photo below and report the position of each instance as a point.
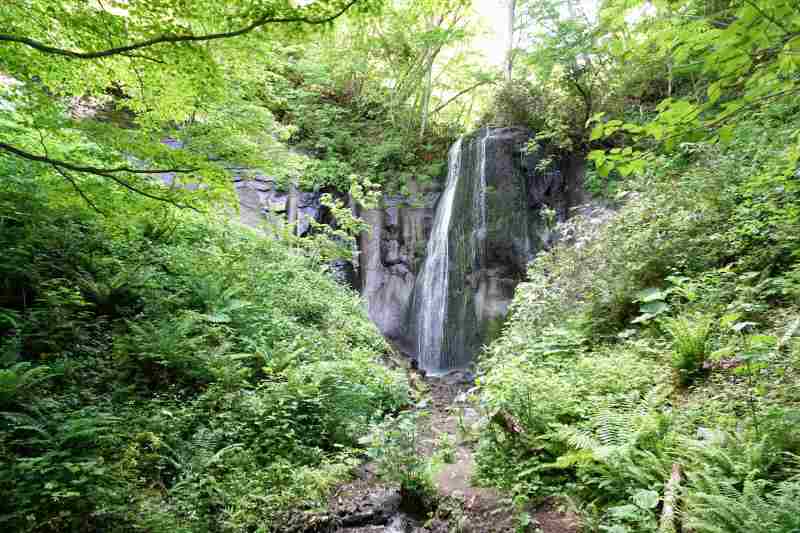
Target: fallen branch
(671, 491)
(508, 423)
(787, 337)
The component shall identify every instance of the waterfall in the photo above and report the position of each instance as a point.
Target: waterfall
(479, 199)
(478, 249)
(430, 294)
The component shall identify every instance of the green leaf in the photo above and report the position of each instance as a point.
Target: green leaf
(714, 92)
(595, 118)
(651, 294)
(725, 134)
(656, 130)
(598, 156)
(763, 341)
(638, 165)
(646, 499)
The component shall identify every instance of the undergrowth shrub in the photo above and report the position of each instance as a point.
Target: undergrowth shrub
(690, 337)
(692, 272)
(172, 372)
(729, 488)
(395, 446)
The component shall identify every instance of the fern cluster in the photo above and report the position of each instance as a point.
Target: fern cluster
(729, 490)
(690, 338)
(200, 378)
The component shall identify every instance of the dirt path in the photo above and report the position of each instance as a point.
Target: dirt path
(477, 509)
(367, 505)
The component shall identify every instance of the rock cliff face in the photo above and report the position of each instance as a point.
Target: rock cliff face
(438, 270)
(260, 200)
(390, 256)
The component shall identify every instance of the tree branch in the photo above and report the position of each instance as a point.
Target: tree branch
(753, 103)
(88, 169)
(146, 194)
(108, 173)
(68, 177)
(142, 56)
(585, 96)
(74, 54)
(460, 94)
(773, 20)
(80, 192)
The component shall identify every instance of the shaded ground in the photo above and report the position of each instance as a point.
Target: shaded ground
(367, 505)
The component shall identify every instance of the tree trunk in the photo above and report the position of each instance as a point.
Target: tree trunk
(426, 96)
(512, 7)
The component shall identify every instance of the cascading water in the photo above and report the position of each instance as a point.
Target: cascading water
(483, 234)
(455, 249)
(430, 294)
(479, 199)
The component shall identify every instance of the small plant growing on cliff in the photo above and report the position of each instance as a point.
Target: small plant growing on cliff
(549, 216)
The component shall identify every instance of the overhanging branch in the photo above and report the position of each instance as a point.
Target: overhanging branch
(108, 173)
(97, 54)
(64, 174)
(89, 169)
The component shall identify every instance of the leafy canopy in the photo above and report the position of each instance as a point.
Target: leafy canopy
(146, 71)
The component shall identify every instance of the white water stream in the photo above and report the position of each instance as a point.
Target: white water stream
(432, 288)
(433, 285)
(479, 198)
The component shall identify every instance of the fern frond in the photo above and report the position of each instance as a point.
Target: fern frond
(571, 459)
(578, 439)
(23, 422)
(725, 492)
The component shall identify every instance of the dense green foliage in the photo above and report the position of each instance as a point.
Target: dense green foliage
(166, 369)
(342, 135)
(268, 85)
(673, 322)
(660, 335)
(169, 372)
(157, 70)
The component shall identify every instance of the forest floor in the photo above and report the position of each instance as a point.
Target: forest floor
(369, 505)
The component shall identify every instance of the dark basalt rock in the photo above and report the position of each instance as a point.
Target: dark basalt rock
(390, 256)
(261, 200)
(496, 228)
(344, 272)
